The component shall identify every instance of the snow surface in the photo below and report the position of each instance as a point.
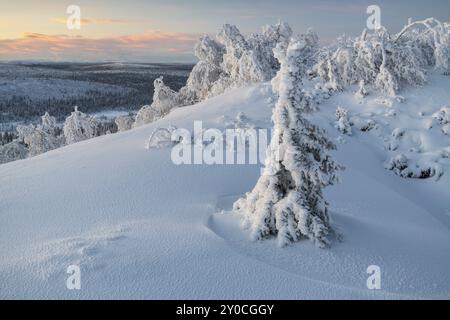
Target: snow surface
(141, 227)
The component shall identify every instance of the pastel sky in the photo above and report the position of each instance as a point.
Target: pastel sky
(166, 30)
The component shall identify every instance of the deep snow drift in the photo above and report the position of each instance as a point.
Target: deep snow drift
(141, 227)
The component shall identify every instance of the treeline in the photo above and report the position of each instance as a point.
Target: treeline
(7, 137)
(133, 88)
(20, 108)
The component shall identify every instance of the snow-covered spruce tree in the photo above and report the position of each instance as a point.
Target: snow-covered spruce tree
(287, 200)
(342, 122)
(79, 126)
(42, 138)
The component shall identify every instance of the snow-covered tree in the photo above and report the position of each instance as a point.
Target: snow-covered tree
(164, 99)
(264, 43)
(362, 90)
(42, 138)
(210, 51)
(79, 126)
(287, 200)
(231, 60)
(389, 62)
(248, 60)
(432, 38)
(342, 122)
(146, 114)
(203, 78)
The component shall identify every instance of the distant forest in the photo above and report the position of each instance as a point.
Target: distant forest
(105, 86)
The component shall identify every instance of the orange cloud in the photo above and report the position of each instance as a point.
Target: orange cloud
(145, 46)
(87, 21)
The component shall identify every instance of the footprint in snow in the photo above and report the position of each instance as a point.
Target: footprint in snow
(53, 257)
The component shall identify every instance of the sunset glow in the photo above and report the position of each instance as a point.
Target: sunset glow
(159, 30)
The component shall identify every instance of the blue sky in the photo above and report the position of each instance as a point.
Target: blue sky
(166, 30)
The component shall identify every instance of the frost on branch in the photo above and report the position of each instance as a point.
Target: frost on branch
(79, 126)
(287, 200)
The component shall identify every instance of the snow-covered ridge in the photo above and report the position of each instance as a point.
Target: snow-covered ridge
(141, 227)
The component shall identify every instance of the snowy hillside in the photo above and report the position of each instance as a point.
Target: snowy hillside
(141, 227)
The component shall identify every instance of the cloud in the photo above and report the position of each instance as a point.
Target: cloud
(87, 21)
(150, 45)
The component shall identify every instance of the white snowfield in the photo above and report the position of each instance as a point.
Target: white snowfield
(140, 227)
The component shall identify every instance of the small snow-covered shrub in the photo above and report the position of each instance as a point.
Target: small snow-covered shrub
(41, 138)
(146, 114)
(363, 125)
(446, 129)
(12, 151)
(79, 126)
(161, 138)
(443, 115)
(396, 136)
(164, 99)
(124, 123)
(342, 122)
(407, 168)
(362, 91)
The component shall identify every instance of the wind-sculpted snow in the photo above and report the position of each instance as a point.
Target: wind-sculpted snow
(139, 226)
(411, 130)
